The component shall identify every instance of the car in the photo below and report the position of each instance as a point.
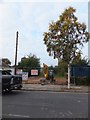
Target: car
(10, 82)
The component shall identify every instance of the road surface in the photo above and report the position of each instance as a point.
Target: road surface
(44, 104)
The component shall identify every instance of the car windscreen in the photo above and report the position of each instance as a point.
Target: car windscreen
(6, 73)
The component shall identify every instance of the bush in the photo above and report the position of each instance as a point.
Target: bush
(59, 71)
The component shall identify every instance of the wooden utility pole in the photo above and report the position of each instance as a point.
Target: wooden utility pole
(16, 52)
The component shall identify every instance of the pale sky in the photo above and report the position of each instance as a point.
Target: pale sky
(31, 20)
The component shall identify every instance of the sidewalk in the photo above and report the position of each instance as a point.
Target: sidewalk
(55, 88)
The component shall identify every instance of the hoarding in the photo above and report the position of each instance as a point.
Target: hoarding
(24, 75)
(34, 72)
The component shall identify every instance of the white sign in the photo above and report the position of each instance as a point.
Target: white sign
(34, 72)
(24, 75)
(19, 71)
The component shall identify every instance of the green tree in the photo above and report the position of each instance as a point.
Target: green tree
(78, 60)
(65, 37)
(31, 61)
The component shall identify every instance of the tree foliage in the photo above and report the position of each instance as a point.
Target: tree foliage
(66, 36)
(31, 61)
(78, 60)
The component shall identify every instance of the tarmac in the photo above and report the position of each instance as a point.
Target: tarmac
(55, 88)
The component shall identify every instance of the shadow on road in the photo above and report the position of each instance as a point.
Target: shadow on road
(15, 92)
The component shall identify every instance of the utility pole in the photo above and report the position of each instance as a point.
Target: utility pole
(16, 52)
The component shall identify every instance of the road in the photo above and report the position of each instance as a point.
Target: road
(42, 104)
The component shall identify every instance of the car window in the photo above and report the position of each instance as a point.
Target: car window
(5, 73)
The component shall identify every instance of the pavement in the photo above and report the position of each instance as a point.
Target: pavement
(55, 88)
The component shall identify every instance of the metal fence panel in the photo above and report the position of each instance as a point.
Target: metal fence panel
(80, 71)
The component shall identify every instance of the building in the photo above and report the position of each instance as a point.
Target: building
(5, 64)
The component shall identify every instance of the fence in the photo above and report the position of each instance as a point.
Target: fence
(80, 71)
(80, 75)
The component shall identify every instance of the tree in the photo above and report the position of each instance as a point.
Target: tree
(78, 60)
(65, 37)
(31, 61)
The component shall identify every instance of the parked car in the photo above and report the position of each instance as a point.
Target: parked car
(10, 82)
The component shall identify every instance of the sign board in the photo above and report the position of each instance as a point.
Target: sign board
(24, 75)
(34, 72)
(19, 71)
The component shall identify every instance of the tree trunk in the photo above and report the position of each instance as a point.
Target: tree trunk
(59, 61)
(68, 76)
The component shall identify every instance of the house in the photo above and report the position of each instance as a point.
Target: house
(5, 64)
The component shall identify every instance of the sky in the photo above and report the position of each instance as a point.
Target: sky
(31, 20)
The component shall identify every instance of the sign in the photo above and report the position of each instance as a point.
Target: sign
(34, 72)
(19, 71)
(24, 75)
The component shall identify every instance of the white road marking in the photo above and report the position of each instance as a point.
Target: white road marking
(79, 101)
(61, 113)
(42, 108)
(70, 112)
(67, 114)
(13, 115)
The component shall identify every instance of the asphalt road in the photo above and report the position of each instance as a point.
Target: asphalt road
(44, 104)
